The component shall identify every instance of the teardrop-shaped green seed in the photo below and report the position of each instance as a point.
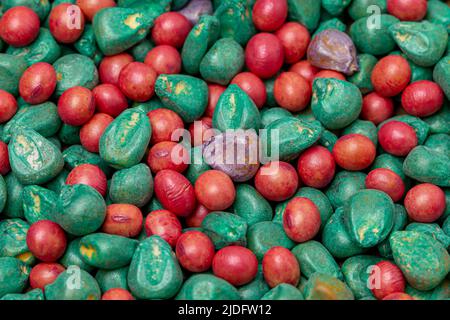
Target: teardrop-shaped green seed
(426, 165)
(13, 275)
(438, 12)
(441, 75)
(335, 7)
(125, 140)
(207, 287)
(222, 62)
(236, 110)
(344, 185)
(35, 294)
(357, 271)
(14, 201)
(251, 205)
(34, 160)
(400, 221)
(225, 229)
(107, 251)
(306, 12)
(325, 287)
(81, 209)
(423, 42)
(13, 236)
(43, 49)
(154, 271)
(73, 284)
(110, 279)
(133, 185)
(72, 256)
(86, 44)
(11, 69)
(283, 291)
(185, 95)
(204, 34)
(335, 103)
(423, 260)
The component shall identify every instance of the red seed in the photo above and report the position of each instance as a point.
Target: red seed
(292, 92)
(269, 15)
(397, 138)
(92, 131)
(425, 203)
(398, 296)
(164, 59)
(137, 81)
(387, 181)
(91, 7)
(376, 108)
(237, 265)
(168, 155)
(386, 278)
(109, 99)
(19, 26)
(110, 67)
(280, 266)
(301, 219)
(305, 69)
(422, 98)
(123, 220)
(295, 39)
(66, 23)
(407, 10)
(316, 167)
(264, 55)
(4, 159)
(44, 273)
(215, 190)
(214, 93)
(195, 251)
(196, 218)
(329, 74)
(354, 152)
(276, 181)
(117, 294)
(164, 122)
(90, 175)
(37, 83)
(391, 75)
(253, 86)
(76, 106)
(175, 192)
(165, 224)
(171, 28)
(8, 106)
(46, 240)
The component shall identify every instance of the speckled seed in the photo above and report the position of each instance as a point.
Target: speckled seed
(225, 229)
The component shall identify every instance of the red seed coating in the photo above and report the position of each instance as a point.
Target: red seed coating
(175, 192)
(66, 23)
(196, 218)
(46, 240)
(110, 67)
(354, 152)
(214, 93)
(4, 159)
(117, 294)
(37, 83)
(292, 92)
(269, 15)
(386, 278)
(280, 266)
(295, 39)
(305, 69)
(195, 251)
(397, 138)
(171, 28)
(422, 98)
(92, 131)
(407, 10)
(8, 106)
(398, 296)
(329, 74)
(44, 273)
(109, 99)
(301, 219)
(123, 220)
(201, 131)
(391, 75)
(76, 106)
(215, 190)
(277, 181)
(316, 167)
(376, 108)
(164, 122)
(19, 26)
(164, 59)
(425, 203)
(90, 175)
(235, 264)
(91, 7)
(168, 155)
(165, 224)
(387, 181)
(253, 86)
(264, 55)
(137, 81)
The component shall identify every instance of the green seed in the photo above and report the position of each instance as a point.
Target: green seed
(73, 284)
(225, 229)
(207, 287)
